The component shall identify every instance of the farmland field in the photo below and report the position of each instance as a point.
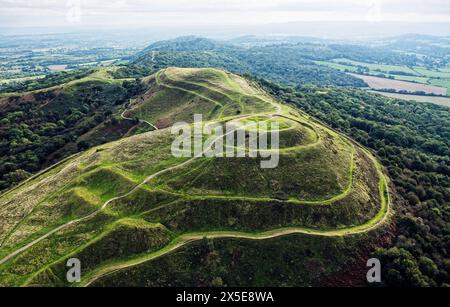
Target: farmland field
(442, 83)
(443, 101)
(384, 83)
(427, 76)
(417, 79)
(338, 66)
(6, 81)
(442, 73)
(377, 67)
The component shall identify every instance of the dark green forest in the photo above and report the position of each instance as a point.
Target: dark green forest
(413, 141)
(42, 129)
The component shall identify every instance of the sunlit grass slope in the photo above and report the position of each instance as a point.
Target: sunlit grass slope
(125, 203)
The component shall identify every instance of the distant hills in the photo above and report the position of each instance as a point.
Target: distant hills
(185, 43)
(292, 64)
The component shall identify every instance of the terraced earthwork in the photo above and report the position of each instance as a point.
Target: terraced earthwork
(122, 205)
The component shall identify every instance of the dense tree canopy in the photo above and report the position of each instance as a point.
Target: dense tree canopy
(413, 141)
(35, 129)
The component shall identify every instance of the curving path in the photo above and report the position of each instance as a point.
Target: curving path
(140, 120)
(106, 204)
(188, 238)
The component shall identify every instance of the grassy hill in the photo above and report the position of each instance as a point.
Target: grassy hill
(125, 206)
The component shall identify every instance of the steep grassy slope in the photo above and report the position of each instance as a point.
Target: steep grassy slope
(123, 204)
(176, 95)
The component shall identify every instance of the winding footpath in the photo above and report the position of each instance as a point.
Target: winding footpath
(380, 219)
(188, 238)
(107, 203)
(140, 120)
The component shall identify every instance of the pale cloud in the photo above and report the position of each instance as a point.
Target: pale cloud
(217, 13)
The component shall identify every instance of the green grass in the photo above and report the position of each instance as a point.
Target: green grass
(262, 263)
(6, 81)
(106, 183)
(443, 101)
(441, 83)
(121, 239)
(423, 80)
(148, 203)
(297, 176)
(377, 67)
(436, 77)
(183, 240)
(432, 73)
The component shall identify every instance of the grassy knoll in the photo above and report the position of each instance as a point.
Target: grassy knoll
(432, 73)
(338, 66)
(129, 202)
(176, 96)
(298, 259)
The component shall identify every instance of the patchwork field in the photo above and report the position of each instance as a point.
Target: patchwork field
(443, 101)
(376, 67)
(384, 83)
(441, 83)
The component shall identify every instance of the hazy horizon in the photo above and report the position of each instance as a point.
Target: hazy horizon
(323, 18)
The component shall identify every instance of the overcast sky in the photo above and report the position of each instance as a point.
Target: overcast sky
(182, 13)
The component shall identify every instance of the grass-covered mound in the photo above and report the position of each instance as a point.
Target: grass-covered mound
(126, 203)
(123, 239)
(175, 95)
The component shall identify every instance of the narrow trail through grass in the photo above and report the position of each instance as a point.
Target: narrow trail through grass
(158, 81)
(188, 238)
(106, 204)
(140, 120)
